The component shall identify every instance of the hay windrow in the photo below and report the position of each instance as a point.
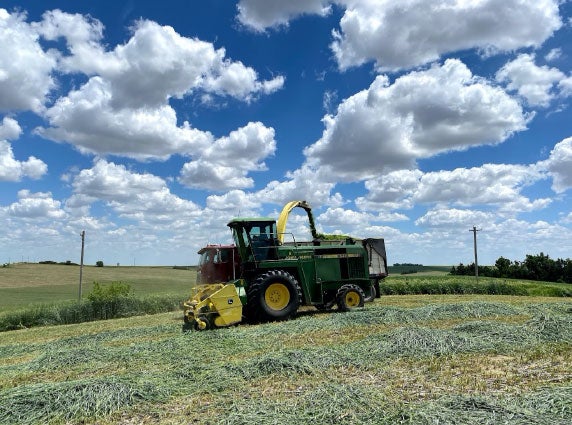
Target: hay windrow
(234, 367)
(43, 403)
(550, 405)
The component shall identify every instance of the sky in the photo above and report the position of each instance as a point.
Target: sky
(149, 125)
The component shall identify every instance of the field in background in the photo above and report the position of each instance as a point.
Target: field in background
(23, 284)
(419, 270)
(420, 359)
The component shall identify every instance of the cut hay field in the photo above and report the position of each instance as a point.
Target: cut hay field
(415, 359)
(23, 284)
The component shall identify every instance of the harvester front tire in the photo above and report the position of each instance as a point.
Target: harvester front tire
(349, 297)
(274, 295)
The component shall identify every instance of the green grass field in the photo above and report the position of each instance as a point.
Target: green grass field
(25, 284)
(416, 359)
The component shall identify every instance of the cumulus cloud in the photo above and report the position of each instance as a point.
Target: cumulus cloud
(536, 84)
(123, 108)
(452, 217)
(497, 185)
(10, 168)
(10, 129)
(423, 113)
(565, 87)
(400, 35)
(261, 14)
(86, 119)
(25, 68)
(559, 165)
(38, 205)
(132, 195)
(305, 183)
(235, 201)
(226, 162)
(155, 64)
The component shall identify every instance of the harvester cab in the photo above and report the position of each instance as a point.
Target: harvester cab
(218, 263)
(278, 276)
(256, 239)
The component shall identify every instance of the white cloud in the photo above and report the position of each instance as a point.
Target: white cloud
(10, 168)
(559, 165)
(36, 206)
(225, 163)
(141, 197)
(111, 182)
(400, 35)
(237, 202)
(341, 218)
(567, 219)
(86, 119)
(123, 108)
(9, 129)
(488, 184)
(565, 87)
(154, 65)
(206, 175)
(422, 114)
(25, 69)
(454, 218)
(303, 184)
(261, 14)
(497, 185)
(553, 54)
(238, 81)
(534, 83)
(394, 190)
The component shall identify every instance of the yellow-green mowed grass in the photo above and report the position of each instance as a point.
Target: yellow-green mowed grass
(402, 359)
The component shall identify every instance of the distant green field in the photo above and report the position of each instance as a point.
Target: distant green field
(419, 270)
(24, 284)
(429, 283)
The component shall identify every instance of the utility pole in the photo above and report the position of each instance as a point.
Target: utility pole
(475, 230)
(82, 234)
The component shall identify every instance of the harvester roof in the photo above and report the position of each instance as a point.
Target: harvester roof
(241, 220)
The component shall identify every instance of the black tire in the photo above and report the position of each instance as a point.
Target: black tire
(349, 297)
(274, 295)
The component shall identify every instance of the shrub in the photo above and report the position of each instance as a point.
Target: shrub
(99, 263)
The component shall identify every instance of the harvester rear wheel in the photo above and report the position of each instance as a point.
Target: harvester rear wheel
(349, 297)
(274, 295)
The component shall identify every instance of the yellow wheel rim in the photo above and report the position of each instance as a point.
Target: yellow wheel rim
(277, 296)
(352, 299)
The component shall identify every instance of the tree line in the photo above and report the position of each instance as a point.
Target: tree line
(534, 267)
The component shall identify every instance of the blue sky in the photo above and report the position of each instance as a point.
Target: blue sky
(150, 125)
